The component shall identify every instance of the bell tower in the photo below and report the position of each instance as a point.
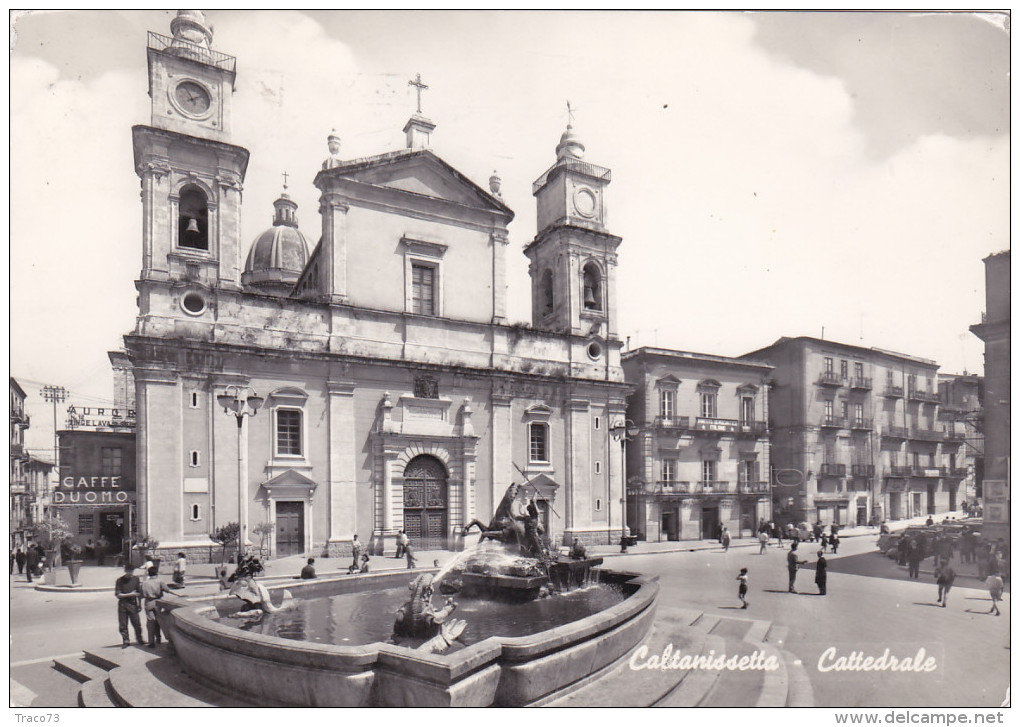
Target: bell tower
(573, 256)
(191, 175)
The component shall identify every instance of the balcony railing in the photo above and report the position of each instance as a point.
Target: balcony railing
(753, 429)
(715, 487)
(834, 422)
(952, 413)
(958, 472)
(20, 417)
(896, 470)
(892, 432)
(673, 422)
(926, 435)
(862, 470)
(830, 378)
(673, 487)
(862, 424)
(751, 487)
(893, 392)
(952, 436)
(17, 449)
(832, 470)
(711, 424)
(861, 383)
(930, 397)
(186, 49)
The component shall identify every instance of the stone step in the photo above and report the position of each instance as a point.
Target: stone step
(95, 693)
(78, 669)
(621, 686)
(161, 682)
(800, 692)
(697, 684)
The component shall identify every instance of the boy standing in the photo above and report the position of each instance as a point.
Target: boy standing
(742, 588)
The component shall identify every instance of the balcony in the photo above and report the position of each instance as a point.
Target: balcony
(833, 422)
(187, 49)
(864, 425)
(929, 397)
(927, 435)
(673, 487)
(832, 470)
(672, 423)
(860, 383)
(711, 424)
(20, 417)
(747, 487)
(951, 436)
(956, 472)
(891, 432)
(893, 392)
(896, 470)
(715, 487)
(952, 413)
(17, 449)
(862, 470)
(830, 378)
(753, 429)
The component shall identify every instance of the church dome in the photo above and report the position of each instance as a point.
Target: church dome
(278, 255)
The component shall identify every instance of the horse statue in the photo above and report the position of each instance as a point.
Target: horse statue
(503, 528)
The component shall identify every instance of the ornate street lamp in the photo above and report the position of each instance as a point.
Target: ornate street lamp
(623, 432)
(238, 402)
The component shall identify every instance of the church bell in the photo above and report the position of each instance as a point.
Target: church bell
(192, 225)
(589, 296)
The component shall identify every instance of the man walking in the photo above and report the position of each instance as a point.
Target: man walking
(31, 561)
(127, 590)
(763, 541)
(914, 557)
(725, 539)
(409, 553)
(401, 543)
(19, 558)
(944, 577)
(791, 566)
(152, 590)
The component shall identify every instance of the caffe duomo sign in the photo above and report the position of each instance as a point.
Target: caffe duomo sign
(89, 491)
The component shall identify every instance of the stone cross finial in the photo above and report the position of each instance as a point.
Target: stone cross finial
(285, 175)
(570, 114)
(419, 86)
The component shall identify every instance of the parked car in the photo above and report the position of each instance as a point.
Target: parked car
(888, 543)
(799, 533)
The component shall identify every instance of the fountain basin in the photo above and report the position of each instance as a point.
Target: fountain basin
(507, 671)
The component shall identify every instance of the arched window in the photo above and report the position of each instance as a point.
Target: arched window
(193, 220)
(548, 299)
(592, 287)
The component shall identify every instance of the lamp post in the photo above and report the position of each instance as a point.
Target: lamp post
(624, 431)
(237, 402)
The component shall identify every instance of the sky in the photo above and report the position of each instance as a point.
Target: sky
(774, 174)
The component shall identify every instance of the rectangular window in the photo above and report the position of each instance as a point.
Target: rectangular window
(111, 462)
(598, 467)
(423, 289)
(196, 512)
(828, 365)
(538, 442)
(86, 523)
(747, 410)
(858, 370)
(708, 470)
(828, 409)
(917, 459)
(842, 369)
(911, 382)
(598, 422)
(669, 470)
(842, 409)
(858, 413)
(288, 432)
(667, 403)
(194, 400)
(889, 377)
(708, 399)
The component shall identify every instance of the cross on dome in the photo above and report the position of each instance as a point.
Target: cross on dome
(419, 87)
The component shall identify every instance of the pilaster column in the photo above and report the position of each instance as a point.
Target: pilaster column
(158, 457)
(499, 239)
(578, 505)
(155, 178)
(228, 232)
(502, 448)
(334, 246)
(342, 485)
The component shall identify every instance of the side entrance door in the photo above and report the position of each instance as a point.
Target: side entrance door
(290, 528)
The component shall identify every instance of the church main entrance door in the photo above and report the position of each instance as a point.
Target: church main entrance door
(290, 528)
(425, 503)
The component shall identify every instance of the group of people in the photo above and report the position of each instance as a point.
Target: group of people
(137, 595)
(30, 562)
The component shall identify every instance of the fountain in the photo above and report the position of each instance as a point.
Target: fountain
(530, 624)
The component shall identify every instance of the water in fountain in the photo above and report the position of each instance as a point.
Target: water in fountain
(491, 552)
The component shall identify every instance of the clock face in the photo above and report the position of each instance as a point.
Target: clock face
(192, 98)
(585, 202)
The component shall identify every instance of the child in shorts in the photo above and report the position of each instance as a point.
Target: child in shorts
(995, 587)
(742, 588)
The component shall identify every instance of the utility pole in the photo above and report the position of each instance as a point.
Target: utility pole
(55, 394)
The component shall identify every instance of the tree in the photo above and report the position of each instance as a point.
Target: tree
(225, 535)
(52, 531)
(264, 531)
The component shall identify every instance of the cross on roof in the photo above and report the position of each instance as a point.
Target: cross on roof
(419, 86)
(285, 175)
(570, 114)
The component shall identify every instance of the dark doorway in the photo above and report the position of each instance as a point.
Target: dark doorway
(931, 498)
(710, 528)
(111, 527)
(290, 528)
(670, 527)
(425, 503)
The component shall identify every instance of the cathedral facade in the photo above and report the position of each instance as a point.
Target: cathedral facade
(370, 382)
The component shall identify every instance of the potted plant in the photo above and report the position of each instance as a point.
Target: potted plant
(226, 535)
(50, 533)
(74, 562)
(147, 546)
